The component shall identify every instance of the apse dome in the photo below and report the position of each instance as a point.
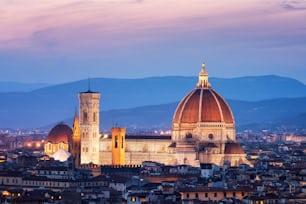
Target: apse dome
(60, 133)
(233, 148)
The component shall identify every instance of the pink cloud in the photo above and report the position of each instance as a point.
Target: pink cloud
(63, 26)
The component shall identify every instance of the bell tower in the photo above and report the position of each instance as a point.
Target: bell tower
(118, 145)
(89, 103)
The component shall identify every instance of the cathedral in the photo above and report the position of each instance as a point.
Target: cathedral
(203, 131)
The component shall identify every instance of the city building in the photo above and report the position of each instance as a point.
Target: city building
(58, 141)
(203, 131)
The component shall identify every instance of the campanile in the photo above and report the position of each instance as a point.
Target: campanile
(89, 106)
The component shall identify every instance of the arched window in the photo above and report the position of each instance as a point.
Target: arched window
(116, 141)
(210, 136)
(84, 116)
(121, 142)
(94, 117)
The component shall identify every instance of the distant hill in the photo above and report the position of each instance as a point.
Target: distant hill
(285, 113)
(268, 114)
(55, 103)
(20, 87)
(156, 116)
(259, 88)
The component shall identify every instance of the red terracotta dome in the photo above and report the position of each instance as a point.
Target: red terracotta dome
(233, 148)
(60, 133)
(203, 104)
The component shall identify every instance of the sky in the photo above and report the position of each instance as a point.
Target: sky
(56, 41)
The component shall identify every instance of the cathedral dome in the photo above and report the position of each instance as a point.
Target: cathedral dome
(203, 104)
(59, 133)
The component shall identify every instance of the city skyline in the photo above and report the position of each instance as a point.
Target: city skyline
(136, 39)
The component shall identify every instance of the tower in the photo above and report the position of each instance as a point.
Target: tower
(118, 145)
(89, 103)
(76, 141)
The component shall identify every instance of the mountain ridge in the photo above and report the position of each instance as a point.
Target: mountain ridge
(57, 102)
(273, 113)
(11, 86)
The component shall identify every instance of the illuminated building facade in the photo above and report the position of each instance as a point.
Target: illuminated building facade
(203, 128)
(89, 107)
(59, 138)
(203, 131)
(118, 145)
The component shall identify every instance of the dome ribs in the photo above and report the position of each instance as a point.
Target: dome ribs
(227, 113)
(202, 105)
(191, 108)
(210, 108)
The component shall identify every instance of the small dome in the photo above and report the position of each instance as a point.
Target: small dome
(60, 133)
(233, 148)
